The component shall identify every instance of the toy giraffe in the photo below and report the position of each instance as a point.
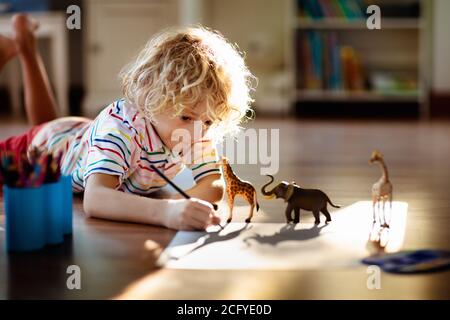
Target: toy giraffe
(236, 186)
(382, 189)
(378, 240)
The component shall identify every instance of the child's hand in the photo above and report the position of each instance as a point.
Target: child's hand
(190, 214)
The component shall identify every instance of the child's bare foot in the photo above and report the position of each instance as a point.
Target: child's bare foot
(8, 49)
(23, 29)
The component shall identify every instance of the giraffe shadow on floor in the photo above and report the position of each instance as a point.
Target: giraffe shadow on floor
(286, 233)
(215, 236)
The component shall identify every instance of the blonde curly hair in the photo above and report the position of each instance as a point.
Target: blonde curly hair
(183, 67)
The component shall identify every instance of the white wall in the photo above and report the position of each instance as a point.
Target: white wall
(441, 46)
(256, 26)
(193, 11)
(259, 29)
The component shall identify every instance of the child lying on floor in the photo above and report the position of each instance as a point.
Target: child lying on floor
(189, 79)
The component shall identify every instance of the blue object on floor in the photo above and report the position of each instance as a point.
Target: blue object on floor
(418, 261)
(38, 216)
(67, 204)
(53, 194)
(25, 218)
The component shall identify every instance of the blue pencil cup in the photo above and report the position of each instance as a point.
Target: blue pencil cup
(67, 204)
(25, 218)
(53, 196)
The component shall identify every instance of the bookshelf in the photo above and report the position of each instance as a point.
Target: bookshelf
(334, 58)
(358, 96)
(342, 24)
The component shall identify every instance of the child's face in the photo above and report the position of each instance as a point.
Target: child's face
(195, 122)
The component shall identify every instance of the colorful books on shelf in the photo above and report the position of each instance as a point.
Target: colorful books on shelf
(319, 9)
(324, 64)
(387, 83)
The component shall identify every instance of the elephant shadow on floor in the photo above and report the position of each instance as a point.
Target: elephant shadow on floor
(215, 236)
(286, 233)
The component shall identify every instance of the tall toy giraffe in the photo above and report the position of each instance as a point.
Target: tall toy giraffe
(236, 186)
(378, 240)
(382, 189)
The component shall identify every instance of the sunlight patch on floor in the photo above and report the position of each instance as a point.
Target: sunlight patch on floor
(342, 243)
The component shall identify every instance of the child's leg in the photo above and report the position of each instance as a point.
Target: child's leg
(8, 49)
(40, 103)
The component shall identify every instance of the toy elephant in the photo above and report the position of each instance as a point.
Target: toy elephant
(297, 198)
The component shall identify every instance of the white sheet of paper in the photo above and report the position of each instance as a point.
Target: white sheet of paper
(340, 244)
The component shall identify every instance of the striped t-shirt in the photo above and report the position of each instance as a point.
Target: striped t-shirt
(121, 142)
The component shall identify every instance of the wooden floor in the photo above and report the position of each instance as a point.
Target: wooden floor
(118, 260)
